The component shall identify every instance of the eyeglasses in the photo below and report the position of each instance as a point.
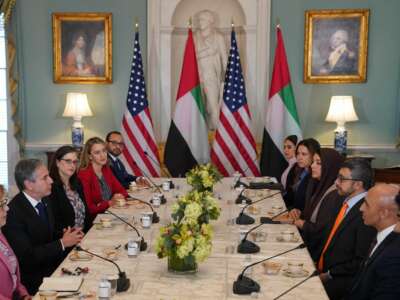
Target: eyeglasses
(342, 178)
(70, 161)
(115, 143)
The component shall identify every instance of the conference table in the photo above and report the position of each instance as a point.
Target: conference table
(150, 278)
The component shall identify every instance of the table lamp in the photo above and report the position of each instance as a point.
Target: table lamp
(77, 106)
(341, 110)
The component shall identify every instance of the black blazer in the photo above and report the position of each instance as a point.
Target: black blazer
(36, 245)
(346, 251)
(314, 233)
(379, 277)
(120, 173)
(64, 214)
(296, 198)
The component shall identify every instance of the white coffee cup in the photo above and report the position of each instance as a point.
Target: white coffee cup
(156, 200)
(48, 295)
(295, 267)
(166, 186)
(242, 232)
(287, 235)
(133, 248)
(146, 219)
(106, 222)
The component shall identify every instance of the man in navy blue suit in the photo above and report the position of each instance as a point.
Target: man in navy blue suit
(379, 276)
(115, 146)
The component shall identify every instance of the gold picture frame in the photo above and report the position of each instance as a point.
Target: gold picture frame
(82, 48)
(336, 46)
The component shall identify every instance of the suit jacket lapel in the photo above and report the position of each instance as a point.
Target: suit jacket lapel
(380, 248)
(3, 259)
(32, 213)
(351, 215)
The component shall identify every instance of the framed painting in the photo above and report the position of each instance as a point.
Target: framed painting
(82, 47)
(336, 46)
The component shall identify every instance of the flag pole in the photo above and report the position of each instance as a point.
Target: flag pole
(232, 24)
(278, 23)
(190, 23)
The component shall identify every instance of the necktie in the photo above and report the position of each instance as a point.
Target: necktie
(338, 221)
(42, 212)
(119, 164)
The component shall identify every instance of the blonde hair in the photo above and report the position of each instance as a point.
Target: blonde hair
(87, 149)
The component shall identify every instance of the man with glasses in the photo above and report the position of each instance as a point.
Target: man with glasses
(347, 239)
(379, 275)
(115, 146)
(30, 227)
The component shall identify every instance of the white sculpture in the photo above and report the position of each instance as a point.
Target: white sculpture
(212, 55)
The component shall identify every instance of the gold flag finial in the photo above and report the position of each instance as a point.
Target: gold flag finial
(278, 23)
(232, 23)
(190, 22)
(136, 23)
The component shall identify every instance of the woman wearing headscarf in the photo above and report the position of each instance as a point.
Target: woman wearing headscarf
(322, 199)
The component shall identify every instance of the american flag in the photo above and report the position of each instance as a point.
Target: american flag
(234, 147)
(137, 126)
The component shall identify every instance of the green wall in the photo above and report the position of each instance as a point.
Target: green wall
(45, 100)
(376, 101)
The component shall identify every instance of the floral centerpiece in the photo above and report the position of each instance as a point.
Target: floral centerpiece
(188, 239)
(203, 177)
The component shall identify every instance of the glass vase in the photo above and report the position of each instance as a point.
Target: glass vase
(181, 266)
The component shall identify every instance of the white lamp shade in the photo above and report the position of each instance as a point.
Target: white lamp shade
(77, 106)
(341, 110)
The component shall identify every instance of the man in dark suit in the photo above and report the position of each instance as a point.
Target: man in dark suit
(115, 146)
(30, 225)
(347, 239)
(379, 276)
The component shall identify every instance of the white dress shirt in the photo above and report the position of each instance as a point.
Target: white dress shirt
(381, 236)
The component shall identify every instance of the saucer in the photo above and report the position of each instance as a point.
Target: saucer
(302, 273)
(295, 239)
(120, 206)
(81, 257)
(99, 226)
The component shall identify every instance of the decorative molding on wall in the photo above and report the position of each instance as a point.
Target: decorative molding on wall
(42, 147)
(369, 148)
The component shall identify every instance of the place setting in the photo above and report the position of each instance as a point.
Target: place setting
(288, 236)
(295, 270)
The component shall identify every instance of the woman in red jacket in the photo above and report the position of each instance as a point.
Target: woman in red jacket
(100, 187)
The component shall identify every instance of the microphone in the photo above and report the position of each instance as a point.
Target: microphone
(143, 244)
(246, 246)
(240, 198)
(244, 219)
(163, 199)
(245, 285)
(123, 283)
(161, 168)
(156, 218)
(267, 220)
(313, 274)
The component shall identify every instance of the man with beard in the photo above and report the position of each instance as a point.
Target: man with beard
(348, 239)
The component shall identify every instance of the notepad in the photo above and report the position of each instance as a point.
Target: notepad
(61, 284)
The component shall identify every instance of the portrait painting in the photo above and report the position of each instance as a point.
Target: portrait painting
(82, 47)
(336, 45)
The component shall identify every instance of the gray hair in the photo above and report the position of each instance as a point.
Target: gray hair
(343, 33)
(361, 170)
(25, 170)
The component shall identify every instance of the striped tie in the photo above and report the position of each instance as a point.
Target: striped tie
(338, 221)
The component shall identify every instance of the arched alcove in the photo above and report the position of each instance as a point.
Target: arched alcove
(223, 12)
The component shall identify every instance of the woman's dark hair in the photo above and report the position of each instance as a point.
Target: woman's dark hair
(292, 138)
(55, 174)
(311, 144)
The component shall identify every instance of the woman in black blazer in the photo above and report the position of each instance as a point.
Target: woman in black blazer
(67, 198)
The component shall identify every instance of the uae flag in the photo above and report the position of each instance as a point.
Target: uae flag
(187, 142)
(281, 118)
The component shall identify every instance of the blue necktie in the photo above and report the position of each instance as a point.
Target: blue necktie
(42, 212)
